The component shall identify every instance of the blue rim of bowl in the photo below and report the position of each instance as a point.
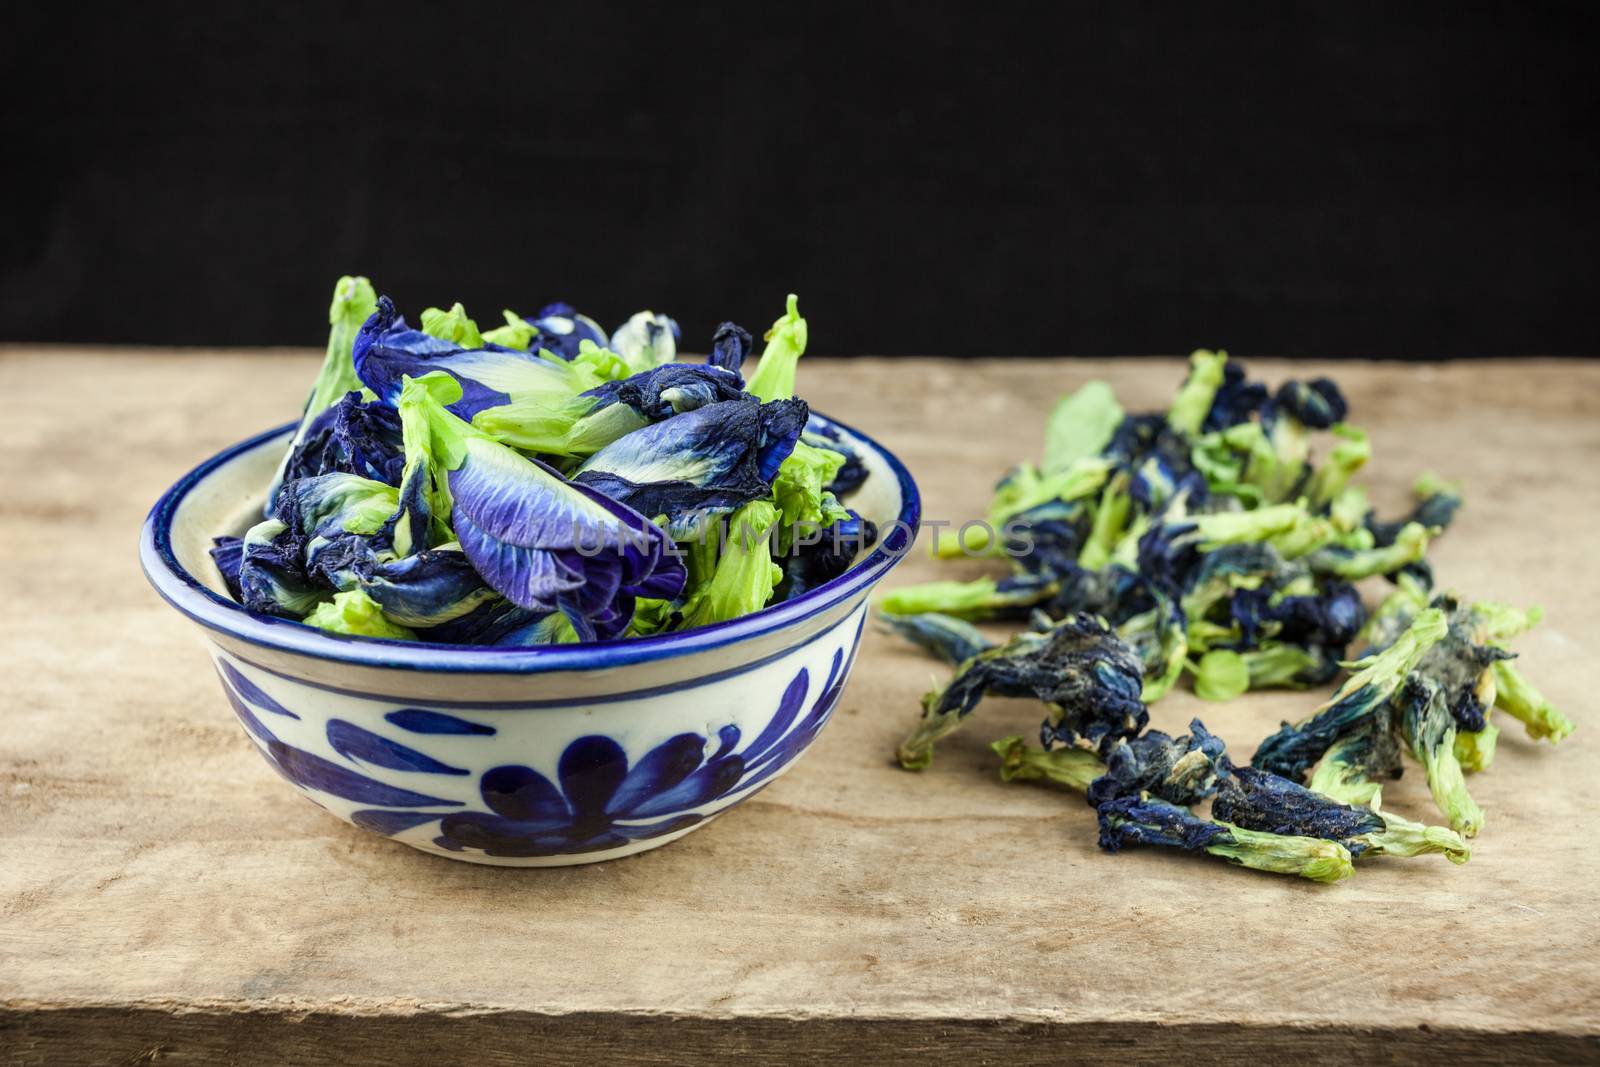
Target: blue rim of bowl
(192, 598)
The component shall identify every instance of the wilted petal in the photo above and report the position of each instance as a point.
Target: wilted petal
(670, 390)
(387, 352)
(352, 437)
(646, 340)
(718, 457)
(545, 543)
(428, 589)
(228, 554)
(729, 345)
(272, 573)
(562, 330)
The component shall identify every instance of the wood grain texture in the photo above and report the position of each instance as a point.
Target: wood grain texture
(163, 895)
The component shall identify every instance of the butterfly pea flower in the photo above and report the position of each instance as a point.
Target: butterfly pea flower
(1155, 483)
(1279, 454)
(804, 500)
(272, 571)
(1461, 664)
(1115, 593)
(1429, 729)
(345, 519)
(711, 460)
(387, 351)
(1219, 574)
(1294, 748)
(553, 628)
(669, 390)
(1142, 437)
(1170, 551)
(1303, 611)
(645, 341)
(743, 577)
(1436, 507)
(786, 343)
(354, 300)
(428, 590)
(818, 556)
(558, 426)
(1151, 821)
(1259, 800)
(1396, 611)
(729, 346)
(851, 473)
(1317, 404)
(1408, 547)
(321, 528)
(586, 423)
(227, 553)
(563, 331)
(802, 481)
(1181, 770)
(1350, 769)
(1026, 488)
(542, 542)
(1236, 399)
(515, 332)
(1348, 511)
(1282, 665)
(1087, 676)
(1221, 674)
(351, 436)
(951, 639)
(487, 624)
(355, 614)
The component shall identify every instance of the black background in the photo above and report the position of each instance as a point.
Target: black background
(1386, 179)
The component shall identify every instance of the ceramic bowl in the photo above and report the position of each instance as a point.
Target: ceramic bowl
(527, 757)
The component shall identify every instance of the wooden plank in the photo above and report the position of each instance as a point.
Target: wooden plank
(163, 888)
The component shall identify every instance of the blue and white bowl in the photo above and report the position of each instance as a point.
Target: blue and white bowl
(523, 757)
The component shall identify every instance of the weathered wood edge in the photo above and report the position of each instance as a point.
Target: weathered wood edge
(31, 1036)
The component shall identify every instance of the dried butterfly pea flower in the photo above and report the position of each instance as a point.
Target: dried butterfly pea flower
(1429, 728)
(1293, 749)
(1150, 821)
(354, 300)
(814, 560)
(1348, 771)
(562, 331)
(645, 341)
(542, 542)
(352, 436)
(1086, 675)
(1259, 800)
(1182, 770)
(711, 460)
